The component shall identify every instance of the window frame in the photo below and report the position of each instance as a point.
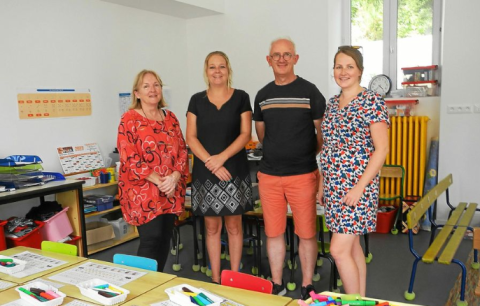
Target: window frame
(390, 34)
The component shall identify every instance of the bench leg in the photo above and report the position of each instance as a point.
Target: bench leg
(464, 278)
(412, 280)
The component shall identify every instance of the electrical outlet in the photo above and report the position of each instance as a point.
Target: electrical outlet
(476, 108)
(452, 109)
(460, 109)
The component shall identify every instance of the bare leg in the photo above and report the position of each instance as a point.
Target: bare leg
(307, 251)
(233, 224)
(359, 257)
(213, 226)
(341, 248)
(276, 257)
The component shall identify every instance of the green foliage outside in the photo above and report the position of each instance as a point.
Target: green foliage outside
(414, 18)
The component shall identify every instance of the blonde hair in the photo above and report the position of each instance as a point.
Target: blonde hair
(136, 103)
(229, 67)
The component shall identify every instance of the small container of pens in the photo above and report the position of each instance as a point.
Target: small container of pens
(186, 295)
(9, 265)
(103, 292)
(40, 294)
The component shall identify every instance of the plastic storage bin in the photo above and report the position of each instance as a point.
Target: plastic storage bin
(86, 288)
(420, 89)
(120, 227)
(57, 227)
(3, 242)
(102, 202)
(385, 221)
(177, 295)
(19, 265)
(32, 239)
(420, 73)
(40, 285)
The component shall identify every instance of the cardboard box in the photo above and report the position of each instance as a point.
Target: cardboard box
(98, 232)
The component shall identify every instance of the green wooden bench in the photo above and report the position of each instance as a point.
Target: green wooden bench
(444, 245)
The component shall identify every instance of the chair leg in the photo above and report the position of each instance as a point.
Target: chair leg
(464, 278)
(368, 255)
(196, 252)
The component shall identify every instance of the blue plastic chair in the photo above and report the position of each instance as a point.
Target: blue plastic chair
(135, 261)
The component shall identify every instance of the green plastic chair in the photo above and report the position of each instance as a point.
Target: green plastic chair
(59, 247)
(396, 173)
(135, 261)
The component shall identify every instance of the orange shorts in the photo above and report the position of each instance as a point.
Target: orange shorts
(300, 192)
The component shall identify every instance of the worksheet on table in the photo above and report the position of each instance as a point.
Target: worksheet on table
(87, 271)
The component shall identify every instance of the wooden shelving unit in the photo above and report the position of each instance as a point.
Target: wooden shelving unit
(97, 247)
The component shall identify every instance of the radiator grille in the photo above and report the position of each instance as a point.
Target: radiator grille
(408, 147)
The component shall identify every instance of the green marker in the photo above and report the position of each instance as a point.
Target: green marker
(6, 260)
(359, 303)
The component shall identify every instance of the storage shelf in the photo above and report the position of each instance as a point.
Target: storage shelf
(97, 186)
(110, 243)
(97, 213)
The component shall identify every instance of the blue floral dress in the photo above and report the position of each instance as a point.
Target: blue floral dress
(347, 147)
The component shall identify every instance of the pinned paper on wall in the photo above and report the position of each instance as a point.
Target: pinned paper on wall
(53, 103)
(80, 158)
(124, 101)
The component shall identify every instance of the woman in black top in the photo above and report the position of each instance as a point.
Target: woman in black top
(218, 128)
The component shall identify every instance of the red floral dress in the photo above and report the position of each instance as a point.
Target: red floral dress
(146, 146)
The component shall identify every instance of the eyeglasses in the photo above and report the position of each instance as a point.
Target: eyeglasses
(347, 47)
(286, 56)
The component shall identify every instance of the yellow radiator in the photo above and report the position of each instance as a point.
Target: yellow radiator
(408, 148)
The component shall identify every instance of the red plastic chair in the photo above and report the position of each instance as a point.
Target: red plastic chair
(245, 281)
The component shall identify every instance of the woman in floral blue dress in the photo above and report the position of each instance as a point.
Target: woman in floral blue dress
(355, 145)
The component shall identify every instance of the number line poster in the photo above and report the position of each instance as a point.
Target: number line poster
(53, 103)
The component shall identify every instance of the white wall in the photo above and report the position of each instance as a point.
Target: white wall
(81, 44)
(245, 31)
(460, 134)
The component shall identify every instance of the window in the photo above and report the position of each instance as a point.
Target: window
(394, 34)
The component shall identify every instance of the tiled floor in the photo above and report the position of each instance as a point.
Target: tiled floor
(388, 272)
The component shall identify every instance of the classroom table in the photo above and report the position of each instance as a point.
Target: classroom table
(137, 287)
(295, 302)
(70, 260)
(244, 297)
(11, 295)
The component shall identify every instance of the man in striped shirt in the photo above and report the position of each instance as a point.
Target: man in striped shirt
(288, 113)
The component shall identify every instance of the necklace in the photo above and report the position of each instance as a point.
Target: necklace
(148, 120)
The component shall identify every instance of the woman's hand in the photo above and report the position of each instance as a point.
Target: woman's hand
(320, 192)
(353, 196)
(223, 174)
(215, 162)
(169, 183)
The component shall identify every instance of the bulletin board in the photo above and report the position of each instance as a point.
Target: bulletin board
(53, 103)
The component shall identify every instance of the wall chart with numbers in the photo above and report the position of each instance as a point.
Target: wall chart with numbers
(80, 158)
(53, 103)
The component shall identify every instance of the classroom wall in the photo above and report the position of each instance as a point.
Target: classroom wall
(460, 133)
(245, 31)
(82, 44)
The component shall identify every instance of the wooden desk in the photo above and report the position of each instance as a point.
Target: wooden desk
(137, 287)
(247, 298)
(71, 260)
(333, 294)
(11, 295)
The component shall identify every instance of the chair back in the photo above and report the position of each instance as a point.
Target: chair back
(245, 281)
(392, 179)
(59, 247)
(135, 261)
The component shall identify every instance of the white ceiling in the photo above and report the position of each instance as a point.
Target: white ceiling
(167, 7)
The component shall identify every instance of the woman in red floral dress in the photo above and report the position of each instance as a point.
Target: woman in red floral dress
(153, 167)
